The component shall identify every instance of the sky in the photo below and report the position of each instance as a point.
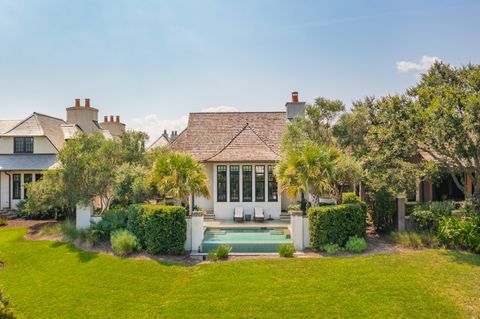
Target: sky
(153, 62)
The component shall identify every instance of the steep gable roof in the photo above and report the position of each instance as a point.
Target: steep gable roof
(233, 136)
(7, 125)
(40, 125)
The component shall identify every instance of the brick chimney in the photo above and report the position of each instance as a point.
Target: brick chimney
(83, 116)
(295, 97)
(87, 103)
(113, 125)
(117, 119)
(105, 118)
(77, 102)
(111, 118)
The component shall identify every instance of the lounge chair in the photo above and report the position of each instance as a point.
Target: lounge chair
(238, 214)
(258, 214)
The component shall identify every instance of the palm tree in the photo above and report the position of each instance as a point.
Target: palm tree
(308, 169)
(178, 176)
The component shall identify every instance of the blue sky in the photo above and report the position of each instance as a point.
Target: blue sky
(152, 62)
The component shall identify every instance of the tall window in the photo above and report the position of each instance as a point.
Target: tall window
(247, 183)
(27, 179)
(259, 183)
(23, 144)
(234, 183)
(272, 185)
(16, 186)
(221, 183)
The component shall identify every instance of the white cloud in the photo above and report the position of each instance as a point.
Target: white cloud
(425, 63)
(154, 125)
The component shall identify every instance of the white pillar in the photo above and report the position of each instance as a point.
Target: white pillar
(84, 214)
(401, 212)
(197, 231)
(296, 225)
(188, 241)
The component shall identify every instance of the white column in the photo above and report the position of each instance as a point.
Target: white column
(84, 214)
(296, 225)
(306, 232)
(188, 241)
(197, 231)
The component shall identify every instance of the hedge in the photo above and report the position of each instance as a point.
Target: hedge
(335, 224)
(160, 229)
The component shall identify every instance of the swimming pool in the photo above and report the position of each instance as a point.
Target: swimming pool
(242, 240)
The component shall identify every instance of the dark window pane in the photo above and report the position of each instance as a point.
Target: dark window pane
(272, 185)
(16, 186)
(247, 183)
(38, 177)
(27, 179)
(234, 183)
(23, 144)
(260, 183)
(221, 183)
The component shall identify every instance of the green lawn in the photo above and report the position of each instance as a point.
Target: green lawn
(54, 280)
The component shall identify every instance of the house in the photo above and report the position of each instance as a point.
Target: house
(28, 147)
(163, 140)
(239, 151)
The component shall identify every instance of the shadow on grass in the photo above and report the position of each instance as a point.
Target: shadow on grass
(463, 257)
(83, 256)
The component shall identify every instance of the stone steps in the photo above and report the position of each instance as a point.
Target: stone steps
(209, 215)
(8, 214)
(284, 216)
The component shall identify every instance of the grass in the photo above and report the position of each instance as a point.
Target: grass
(415, 240)
(56, 280)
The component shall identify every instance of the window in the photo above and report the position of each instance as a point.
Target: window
(247, 183)
(234, 183)
(259, 183)
(38, 177)
(221, 183)
(23, 145)
(16, 186)
(27, 179)
(272, 185)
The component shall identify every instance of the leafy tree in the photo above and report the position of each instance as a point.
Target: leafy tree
(131, 184)
(133, 146)
(178, 176)
(445, 121)
(315, 126)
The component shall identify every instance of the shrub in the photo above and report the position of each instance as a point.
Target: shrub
(112, 220)
(441, 208)
(335, 224)
(424, 220)
(356, 244)
(51, 229)
(286, 250)
(294, 208)
(331, 249)
(160, 229)
(349, 198)
(221, 252)
(123, 242)
(28, 209)
(3, 221)
(6, 309)
(460, 232)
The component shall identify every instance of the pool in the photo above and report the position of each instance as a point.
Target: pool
(246, 240)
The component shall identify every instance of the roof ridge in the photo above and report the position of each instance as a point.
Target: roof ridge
(20, 123)
(237, 112)
(35, 116)
(247, 125)
(52, 117)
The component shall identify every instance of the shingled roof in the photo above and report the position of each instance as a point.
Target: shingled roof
(233, 136)
(40, 125)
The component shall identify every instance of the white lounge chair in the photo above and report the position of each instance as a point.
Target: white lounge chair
(258, 214)
(238, 214)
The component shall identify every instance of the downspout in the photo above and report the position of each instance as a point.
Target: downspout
(9, 190)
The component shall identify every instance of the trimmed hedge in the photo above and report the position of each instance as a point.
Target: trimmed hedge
(336, 224)
(160, 229)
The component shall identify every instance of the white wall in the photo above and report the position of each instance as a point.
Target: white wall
(3, 190)
(41, 145)
(4, 187)
(202, 201)
(224, 210)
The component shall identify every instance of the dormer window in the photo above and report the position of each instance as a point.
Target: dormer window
(23, 145)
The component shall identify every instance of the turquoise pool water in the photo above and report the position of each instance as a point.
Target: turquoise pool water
(258, 239)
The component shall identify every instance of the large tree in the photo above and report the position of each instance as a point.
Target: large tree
(445, 121)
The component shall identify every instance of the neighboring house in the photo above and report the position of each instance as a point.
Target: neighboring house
(239, 151)
(163, 140)
(28, 147)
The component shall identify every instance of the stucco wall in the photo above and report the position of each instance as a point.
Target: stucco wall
(202, 201)
(41, 145)
(4, 187)
(3, 190)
